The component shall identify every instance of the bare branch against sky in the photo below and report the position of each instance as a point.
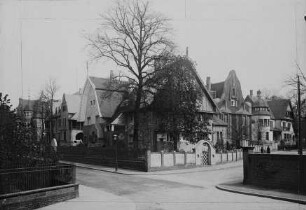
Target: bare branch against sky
(259, 39)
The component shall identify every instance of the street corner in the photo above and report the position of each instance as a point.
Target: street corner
(239, 187)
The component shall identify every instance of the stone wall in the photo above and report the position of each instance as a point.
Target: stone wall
(168, 160)
(162, 160)
(33, 199)
(275, 171)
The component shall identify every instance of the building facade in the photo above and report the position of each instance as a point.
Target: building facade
(283, 119)
(262, 118)
(233, 111)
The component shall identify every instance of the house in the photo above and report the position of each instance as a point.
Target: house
(100, 99)
(31, 112)
(283, 120)
(262, 118)
(233, 111)
(152, 134)
(68, 127)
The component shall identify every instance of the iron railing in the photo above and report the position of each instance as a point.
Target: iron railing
(30, 178)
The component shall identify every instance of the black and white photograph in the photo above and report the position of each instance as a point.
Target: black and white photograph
(153, 104)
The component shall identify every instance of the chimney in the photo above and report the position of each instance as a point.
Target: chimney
(251, 93)
(258, 93)
(186, 51)
(208, 84)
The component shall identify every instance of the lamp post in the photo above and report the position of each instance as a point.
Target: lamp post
(115, 138)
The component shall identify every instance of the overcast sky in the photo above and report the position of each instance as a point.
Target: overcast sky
(260, 39)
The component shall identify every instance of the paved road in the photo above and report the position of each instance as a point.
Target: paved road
(194, 190)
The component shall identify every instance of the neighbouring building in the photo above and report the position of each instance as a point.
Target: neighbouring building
(33, 112)
(233, 111)
(262, 118)
(283, 119)
(68, 126)
(101, 97)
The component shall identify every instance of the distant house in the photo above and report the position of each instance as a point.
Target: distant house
(262, 118)
(233, 111)
(283, 120)
(101, 97)
(32, 111)
(68, 127)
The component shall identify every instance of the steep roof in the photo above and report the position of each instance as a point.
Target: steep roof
(201, 83)
(73, 102)
(108, 95)
(279, 107)
(100, 83)
(26, 104)
(108, 104)
(218, 87)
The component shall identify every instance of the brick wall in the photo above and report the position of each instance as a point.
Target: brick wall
(33, 199)
(276, 171)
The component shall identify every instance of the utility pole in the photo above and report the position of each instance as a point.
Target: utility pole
(300, 150)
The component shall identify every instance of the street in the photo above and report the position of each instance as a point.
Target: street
(179, 190)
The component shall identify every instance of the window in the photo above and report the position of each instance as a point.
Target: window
(233, 102)
(233, 92)
(259, 135)
(88, 120)
(260, 122)
(267, 135)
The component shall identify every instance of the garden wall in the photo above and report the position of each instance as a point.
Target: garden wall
(279, 171)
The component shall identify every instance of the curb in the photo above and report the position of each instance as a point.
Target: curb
(229, 189)
(162, 172)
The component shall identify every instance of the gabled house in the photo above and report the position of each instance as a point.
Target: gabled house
(68, 127)
(283, 120)
(233, 111)
(101, 97)
(151, 132)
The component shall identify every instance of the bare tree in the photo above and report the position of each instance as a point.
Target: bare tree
(133, 37)
(44, 105)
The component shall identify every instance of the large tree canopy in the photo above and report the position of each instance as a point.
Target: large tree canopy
(178, 98)
(133, 37)
(18, 141)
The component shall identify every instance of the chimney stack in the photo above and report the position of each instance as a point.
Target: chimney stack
(258, 93)
(251, 93)
(186, 51)
(208, 84)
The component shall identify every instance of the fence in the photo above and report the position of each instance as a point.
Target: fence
(133, 159)
(229, 156)
(24, 179)
(164, 160)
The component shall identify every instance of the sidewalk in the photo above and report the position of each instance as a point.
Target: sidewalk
(238, 187)
(93, 199)
(165, 172)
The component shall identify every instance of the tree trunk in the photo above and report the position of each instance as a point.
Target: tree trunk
(136, 116)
